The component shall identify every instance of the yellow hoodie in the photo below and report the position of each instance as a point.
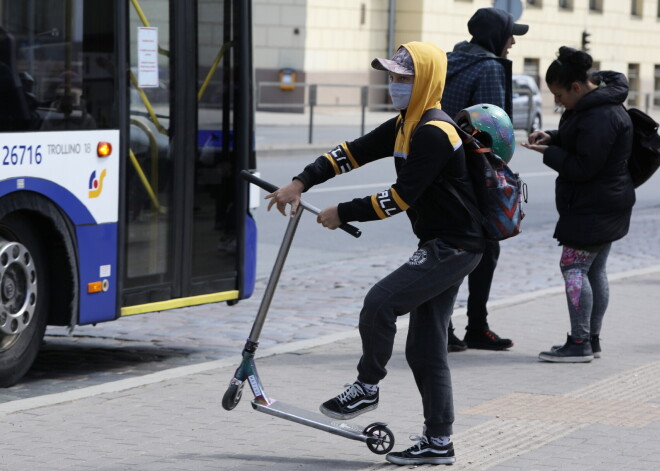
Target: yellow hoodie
(430, 72)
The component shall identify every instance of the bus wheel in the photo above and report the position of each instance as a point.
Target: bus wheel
(23, 298)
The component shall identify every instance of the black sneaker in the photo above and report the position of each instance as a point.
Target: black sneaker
(486, 339)
(454, 344)
(570, 352)
(595, 345)
(351, 403)
(423, 453)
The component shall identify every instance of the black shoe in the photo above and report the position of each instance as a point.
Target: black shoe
(423, 453)
(454, 344)
(486, 339)
(595, 345)
(570, 352)
(351, 403)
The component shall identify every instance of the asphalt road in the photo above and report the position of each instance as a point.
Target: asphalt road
(314, 246)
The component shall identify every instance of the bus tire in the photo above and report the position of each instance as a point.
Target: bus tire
(23, 305)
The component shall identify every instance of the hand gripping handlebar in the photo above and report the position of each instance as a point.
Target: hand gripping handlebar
(269, 187)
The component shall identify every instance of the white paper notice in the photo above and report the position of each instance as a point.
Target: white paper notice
(147, 45)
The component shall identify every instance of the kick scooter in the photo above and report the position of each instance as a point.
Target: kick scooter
(377, 436)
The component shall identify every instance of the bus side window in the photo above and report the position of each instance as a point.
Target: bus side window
(15, 114)
(68, 110)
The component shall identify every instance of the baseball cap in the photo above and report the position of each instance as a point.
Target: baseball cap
(489, 18)
(401, 63)
(519, 29)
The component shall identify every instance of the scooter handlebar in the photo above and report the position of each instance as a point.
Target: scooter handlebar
(269, 187)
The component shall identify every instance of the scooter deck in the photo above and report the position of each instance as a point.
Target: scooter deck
(312, 419)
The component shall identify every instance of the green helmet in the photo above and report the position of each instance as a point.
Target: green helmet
(491, 125)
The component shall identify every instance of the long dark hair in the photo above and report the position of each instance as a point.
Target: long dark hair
(570, 66)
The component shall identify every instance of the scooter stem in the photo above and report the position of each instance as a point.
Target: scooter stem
(274, 277)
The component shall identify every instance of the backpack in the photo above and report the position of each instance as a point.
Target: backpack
(645, 156)
(500, 192)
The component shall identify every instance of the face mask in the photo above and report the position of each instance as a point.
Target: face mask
(400, 94)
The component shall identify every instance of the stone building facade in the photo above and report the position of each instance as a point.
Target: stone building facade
(333, 41)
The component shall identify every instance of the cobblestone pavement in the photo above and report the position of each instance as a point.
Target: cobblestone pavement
(513, 413)
(310, 302)
(143, 393)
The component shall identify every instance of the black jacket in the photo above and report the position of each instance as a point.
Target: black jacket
(435, 152)
(594, 192)
(432, 210)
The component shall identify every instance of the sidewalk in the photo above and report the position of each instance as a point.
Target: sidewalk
(512, 411)
(347, 119)
(346, 122)
(330, 127)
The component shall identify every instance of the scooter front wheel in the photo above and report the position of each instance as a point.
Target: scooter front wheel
(232, 396)
(381, 438)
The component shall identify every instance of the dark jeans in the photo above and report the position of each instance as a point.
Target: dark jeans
(426, 286)
(479, 283)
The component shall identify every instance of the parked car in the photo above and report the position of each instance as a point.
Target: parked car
(525, 116)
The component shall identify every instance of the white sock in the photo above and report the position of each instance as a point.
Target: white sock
(440, 441)
(369, 388)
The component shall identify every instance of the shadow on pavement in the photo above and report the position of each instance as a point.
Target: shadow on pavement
(297, 461)
(66, 363)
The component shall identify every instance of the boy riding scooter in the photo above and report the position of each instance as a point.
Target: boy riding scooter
(450, 244)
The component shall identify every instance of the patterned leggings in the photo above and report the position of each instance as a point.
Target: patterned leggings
(587, 289)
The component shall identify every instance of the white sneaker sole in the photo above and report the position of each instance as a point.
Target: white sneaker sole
(557, 359)
(557, 347)
(413, 461)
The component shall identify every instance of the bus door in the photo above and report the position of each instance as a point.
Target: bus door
(184, 212)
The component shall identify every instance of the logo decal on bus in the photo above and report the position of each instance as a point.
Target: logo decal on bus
(96, 184)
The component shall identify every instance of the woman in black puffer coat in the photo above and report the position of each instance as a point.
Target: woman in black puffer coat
(594, 192)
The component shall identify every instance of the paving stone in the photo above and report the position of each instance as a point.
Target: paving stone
(178, 423)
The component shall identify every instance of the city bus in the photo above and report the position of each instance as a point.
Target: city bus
(123, 127)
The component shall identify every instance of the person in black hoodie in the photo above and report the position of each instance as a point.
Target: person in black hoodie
(450, 244)
(594, 192)
(479, 72)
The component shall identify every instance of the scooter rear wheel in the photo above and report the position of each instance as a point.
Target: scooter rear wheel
(232, 396)
(381, 438)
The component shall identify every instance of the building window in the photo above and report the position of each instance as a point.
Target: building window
(566, 5)
(656, 86)
(633, 82)
(637, 8)
(658, 13)
(596, 6)
(532, 67)
(535, 3)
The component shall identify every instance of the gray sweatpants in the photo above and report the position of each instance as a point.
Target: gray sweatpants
(426, 287)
